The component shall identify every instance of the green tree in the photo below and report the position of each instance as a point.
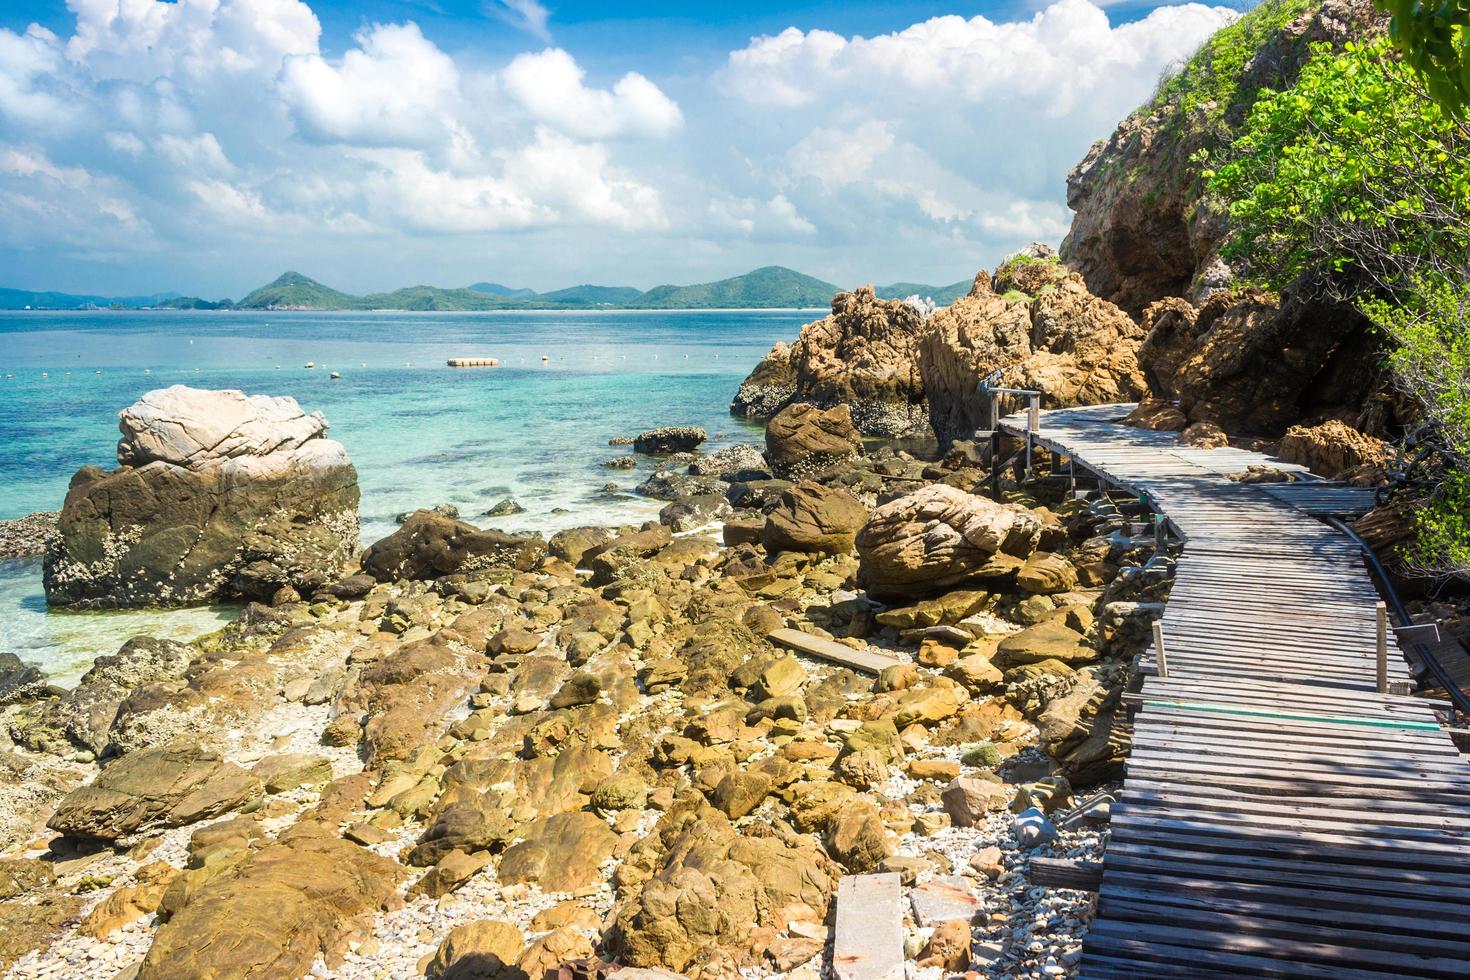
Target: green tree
(1354, 171)
(1435, 41)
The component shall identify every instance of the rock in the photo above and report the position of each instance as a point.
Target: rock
(1252, 363)
(282, 773)
(967, 799)
(18, 876)
(740, 792)
(571, 544)
(159, 787)
(782, 676)
(1157, 415)
(27, 926)
(430, 545)
(976, 673)
(1033, 829)
(352, 587)
(1036, 323)
(1052, 640)
(560, 946)
(561, 853)
(286, 905)
(621, 791)
(1332, 449)
(802, 439)
(810, 517)
(944, 899)
(131, 902)
(669, 439)
(219, 496)
(740, 462)
(948, 947)
(505, 508)
(20, 681)
(939, 537)
(26, 537)
(857, 839)
(688, 513)
(864, 355)
(486, 949)
(1204, 435)
(1047, 574)
(940, 770)
(625, 462)
(1143, 227)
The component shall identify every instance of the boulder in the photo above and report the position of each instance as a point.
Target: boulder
(168, 786)
(1050, 640)
(810, 517)
(19, 681)
(742, 461)
(864, 355)
(688, 513)
(486, 949)
(1036, 323)
(939, 537)
(968, 798)
(284, 907)
(803, 439)
(561, 853)
(430, 545)
(669, 439)
(1332, 449)
(1253, 363)
(1046, 573)
(219, 496)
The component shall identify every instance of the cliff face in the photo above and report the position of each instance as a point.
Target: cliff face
(903, 374)
(863, 355)
(1143, 228)
(1035, 321)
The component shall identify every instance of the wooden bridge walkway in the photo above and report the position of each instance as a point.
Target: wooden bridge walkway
(1280, 817)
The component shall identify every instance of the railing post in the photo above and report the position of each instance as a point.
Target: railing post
(1033, 423)
(994, 410)
(1159, 658)
(1161, 535)
(995, 465)
(1382, 663)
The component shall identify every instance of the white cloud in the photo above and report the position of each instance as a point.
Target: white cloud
(549, 86)
(395, 89)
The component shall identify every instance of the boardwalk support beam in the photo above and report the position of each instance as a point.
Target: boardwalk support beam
(1382, 658)
(1163, 663)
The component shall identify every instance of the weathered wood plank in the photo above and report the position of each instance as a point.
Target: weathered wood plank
(868, 935)
(825, 649)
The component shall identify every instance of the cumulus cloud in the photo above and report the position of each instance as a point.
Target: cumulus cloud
(395, 89)
(549, 85)
(193, 129)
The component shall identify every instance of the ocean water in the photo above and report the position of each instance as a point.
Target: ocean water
(419, 432)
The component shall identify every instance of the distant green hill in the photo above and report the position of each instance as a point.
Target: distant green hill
(592, 295)
(293, 291)
(941, 295)
(434, 298)
(499, 290)
(195, 303)
(19, 299)
(765, 288)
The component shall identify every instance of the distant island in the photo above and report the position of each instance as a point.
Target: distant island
(770, 287)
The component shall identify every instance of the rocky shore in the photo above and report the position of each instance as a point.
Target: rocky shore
(480, 754)
(26, 537)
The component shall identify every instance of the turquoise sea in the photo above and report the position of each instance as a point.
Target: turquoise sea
(420, 433)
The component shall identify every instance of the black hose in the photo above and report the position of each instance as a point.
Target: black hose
(1458, 697)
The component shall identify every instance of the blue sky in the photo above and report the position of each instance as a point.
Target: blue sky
(206, 145)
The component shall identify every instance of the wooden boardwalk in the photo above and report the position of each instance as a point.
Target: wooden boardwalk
(1279, 816)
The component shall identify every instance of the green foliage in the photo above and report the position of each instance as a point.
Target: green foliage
(1431, 326)
(1016, 296)
(1210, 87)
(1349, 167)
(1435, 40)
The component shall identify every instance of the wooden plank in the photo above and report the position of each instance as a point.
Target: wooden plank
(825, 649)
(868, 934)
(1066, 873)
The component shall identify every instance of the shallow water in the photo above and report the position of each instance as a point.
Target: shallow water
(420, 433)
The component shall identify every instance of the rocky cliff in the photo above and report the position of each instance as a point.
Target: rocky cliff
(1143, 228)
(902, 373)
(864, 355)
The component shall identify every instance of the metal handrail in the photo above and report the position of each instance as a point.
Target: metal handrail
(1458, 698)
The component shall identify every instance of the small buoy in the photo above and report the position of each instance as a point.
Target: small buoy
(544, 358)
(45, 375)
(196, 370)
(147, 370)
(96, 372)
(310, 365)
(191, 343)
(278, 367)
(336, 376)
